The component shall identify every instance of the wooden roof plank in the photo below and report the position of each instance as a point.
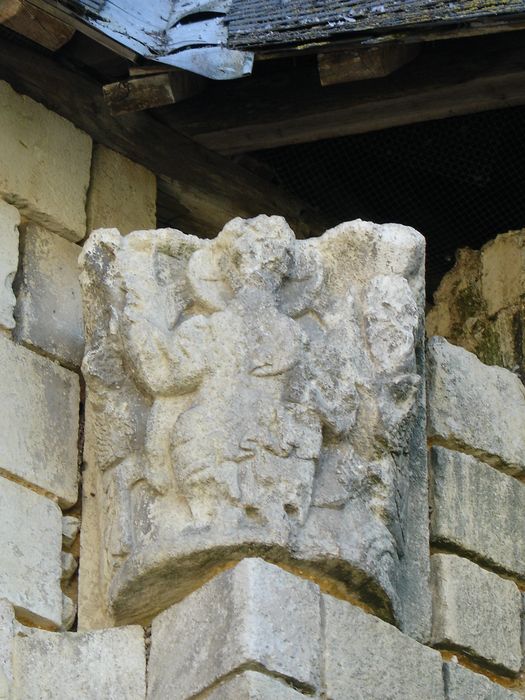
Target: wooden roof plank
(259, 24)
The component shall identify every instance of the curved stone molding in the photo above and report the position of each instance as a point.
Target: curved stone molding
(250, 395)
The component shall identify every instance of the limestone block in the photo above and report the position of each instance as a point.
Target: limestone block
(30, 546)
(102, 665)
(463, 684)
(368, 658)
(458, 301)
(255, 393)
(476, 612)
(69, 612)
(44, 164)
(122, 194)
(69, 565)
(503, 271)
(70, 528)
(7, 632)
(474, 407)
(255, 613)
(39, 421)
(9, 220)
(251, 685)
(480, 303)
(49, 306)
(479, 510)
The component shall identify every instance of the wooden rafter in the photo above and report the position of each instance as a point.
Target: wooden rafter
(465, 77)
(41, 27)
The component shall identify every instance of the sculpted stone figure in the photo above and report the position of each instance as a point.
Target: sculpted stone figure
(249, 394)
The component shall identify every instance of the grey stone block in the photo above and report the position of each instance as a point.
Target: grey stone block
(475, 408)
(251, 685)
(101, 665)
(463, 684)
(478, 509)
(476, 612)
(367, 658)
(39, 421)
(30, 546)
(9, 220)
(255, 613)
(49, 306)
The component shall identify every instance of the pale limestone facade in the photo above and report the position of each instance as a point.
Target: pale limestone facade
(122, 194)
(299, 367)
(44, 165)
(49, 307)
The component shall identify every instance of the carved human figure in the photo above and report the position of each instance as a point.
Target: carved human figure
(251, 391)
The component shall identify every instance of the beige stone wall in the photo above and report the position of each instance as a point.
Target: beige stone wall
(480, 303)
(476, 430)
(51, 190)
(253, 630)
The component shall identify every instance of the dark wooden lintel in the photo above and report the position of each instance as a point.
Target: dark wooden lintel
(30, 21)
(446, 80)
(149, 91)
(365, 63)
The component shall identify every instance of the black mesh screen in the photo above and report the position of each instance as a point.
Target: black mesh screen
(459, 181)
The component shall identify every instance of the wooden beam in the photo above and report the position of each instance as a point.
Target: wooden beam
(148, 91)
(220, 186)
(34, 24)
(468, 76)
(364, 63)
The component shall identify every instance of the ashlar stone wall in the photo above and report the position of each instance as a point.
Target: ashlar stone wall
(49, 186)
(253, 520)
(476, 420)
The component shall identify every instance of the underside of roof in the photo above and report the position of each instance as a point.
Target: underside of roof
(218, 38)
(187, 34)
(261, 23)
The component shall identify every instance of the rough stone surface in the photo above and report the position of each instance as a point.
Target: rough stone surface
(39, 421)
(69, 611)
(503, 271)
(122, 194)
(7, 632)
(254, 613)
(70, 528)
(463, 684)
(476, 612)
(102, 665)
(69, 565)
(9, 220)
(49, 306)
(368, 658)
(44, 164)
(478, 509)
(480, 303)
(251, 685)
(474, 407)
(271, 401)
(457, 302)
(30, 546)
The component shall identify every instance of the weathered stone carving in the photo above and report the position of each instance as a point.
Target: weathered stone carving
(251, 394)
